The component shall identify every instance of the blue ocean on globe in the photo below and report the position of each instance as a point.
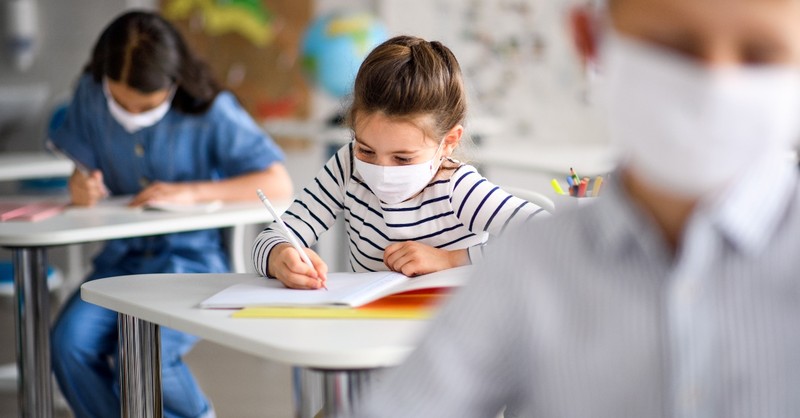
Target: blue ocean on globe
(334, 46)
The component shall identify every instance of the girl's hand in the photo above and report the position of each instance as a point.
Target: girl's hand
(87, 190)
(413, 258)
(183, 193)
(286, 265)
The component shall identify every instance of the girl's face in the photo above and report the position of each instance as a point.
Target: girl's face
(380, 140)
(133, 100)
(716, 33)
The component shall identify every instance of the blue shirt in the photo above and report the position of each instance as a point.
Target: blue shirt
(222, 142)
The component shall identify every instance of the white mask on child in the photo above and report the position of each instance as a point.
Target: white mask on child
(691, 130)
(395, 184)
(133, 122)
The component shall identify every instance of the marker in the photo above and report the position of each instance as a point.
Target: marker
(598, 182)
(287, 232)
(556, 186)
(582, 187)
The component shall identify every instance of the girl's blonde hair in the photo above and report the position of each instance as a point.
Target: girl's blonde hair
(409, 78)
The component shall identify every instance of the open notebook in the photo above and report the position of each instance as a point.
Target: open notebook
(344, 290)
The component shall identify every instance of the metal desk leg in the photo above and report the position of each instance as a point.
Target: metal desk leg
(139, 368)
(307, 386)
(342, 391)
(32, 317)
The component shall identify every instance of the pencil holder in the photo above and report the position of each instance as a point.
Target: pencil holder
(564, 202)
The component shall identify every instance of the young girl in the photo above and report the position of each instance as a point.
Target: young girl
(148, 120)
(408, 207)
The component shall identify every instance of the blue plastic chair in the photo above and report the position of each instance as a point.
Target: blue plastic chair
(54, 278)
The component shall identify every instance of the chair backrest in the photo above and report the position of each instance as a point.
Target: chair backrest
(54, 278)
(233, 239)
(536, 198)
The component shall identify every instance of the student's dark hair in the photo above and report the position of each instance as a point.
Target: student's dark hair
(407, 77)
(144, 51)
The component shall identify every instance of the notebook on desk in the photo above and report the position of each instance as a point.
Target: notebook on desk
(345, 290)
(413, 304)
(204, 207)
(29, 212)
(120, 203)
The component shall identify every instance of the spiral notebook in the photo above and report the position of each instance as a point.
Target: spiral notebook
(344, 290)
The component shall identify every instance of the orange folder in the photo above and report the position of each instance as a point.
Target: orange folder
(415, 304)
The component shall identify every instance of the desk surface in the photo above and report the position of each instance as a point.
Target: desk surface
(31, 165)
(171, 300)
(552, 159)
(111, 219)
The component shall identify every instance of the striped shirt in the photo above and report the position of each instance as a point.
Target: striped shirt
(458, 209)
(596, 317)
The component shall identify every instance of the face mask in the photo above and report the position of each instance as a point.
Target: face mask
(395, 184)
(133, 122)
(690, 130)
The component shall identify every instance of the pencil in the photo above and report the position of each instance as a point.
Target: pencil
(582, 187)
(287, 232)
(574, 175)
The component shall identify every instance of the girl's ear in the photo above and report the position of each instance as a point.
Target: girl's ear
(452, 139)
(583, 25)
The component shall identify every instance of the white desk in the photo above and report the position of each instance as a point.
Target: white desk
(29, 241)
(31, 165)
(495, 151)
(345, 351)
(551, 159)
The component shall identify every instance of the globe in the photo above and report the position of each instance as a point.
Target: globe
(334, 46)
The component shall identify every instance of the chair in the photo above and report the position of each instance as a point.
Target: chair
(54, 278)
(8, 372)
(534, 197)
(234, 239)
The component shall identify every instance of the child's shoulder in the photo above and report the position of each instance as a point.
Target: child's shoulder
(343, 157)
(456, 171)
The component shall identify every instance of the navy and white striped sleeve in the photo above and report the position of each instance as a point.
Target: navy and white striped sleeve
(312, 213)
(484, 207)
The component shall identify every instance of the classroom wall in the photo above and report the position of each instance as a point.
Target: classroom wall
(67, 31)
(523, 79)
(522, 76)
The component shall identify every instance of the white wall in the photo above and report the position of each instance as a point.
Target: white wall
(522, 75)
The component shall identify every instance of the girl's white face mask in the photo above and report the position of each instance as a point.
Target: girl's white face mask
(691, 130)
(133, 122)
(395, 184)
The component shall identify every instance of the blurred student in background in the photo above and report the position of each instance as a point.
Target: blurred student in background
(147, 119)
(677, 293)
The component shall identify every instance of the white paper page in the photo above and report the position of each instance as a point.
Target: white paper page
(120, 203)
(346, 289)
(453, 277)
